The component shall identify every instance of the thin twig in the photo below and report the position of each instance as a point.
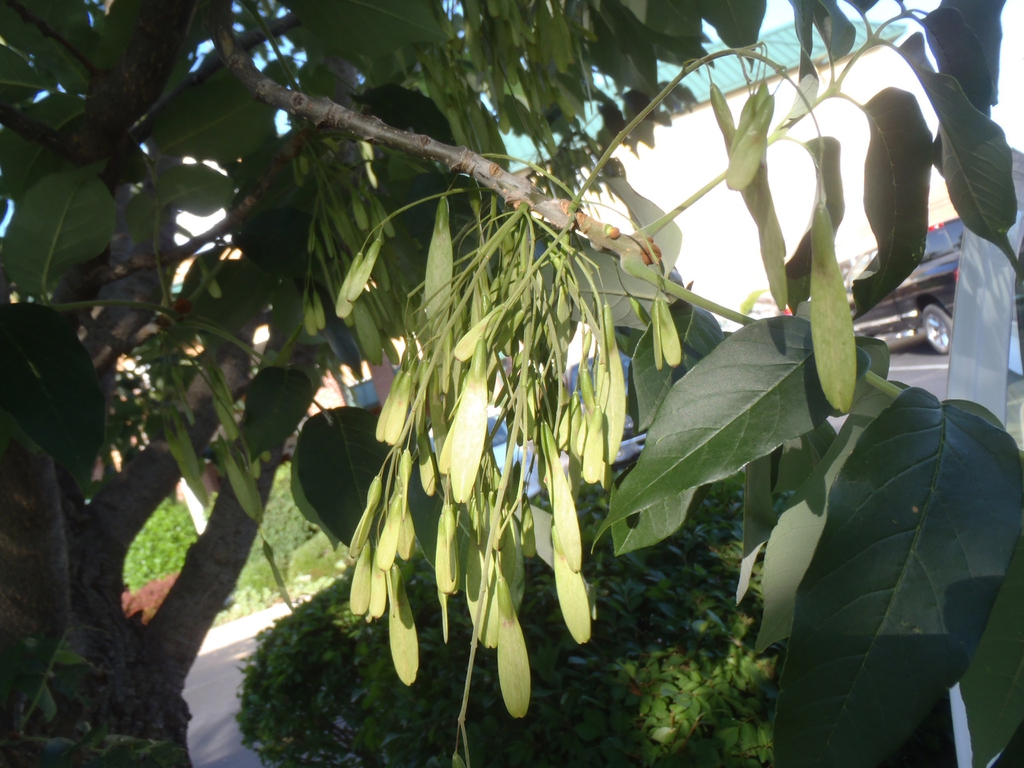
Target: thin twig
(30, 18)
(36, 131)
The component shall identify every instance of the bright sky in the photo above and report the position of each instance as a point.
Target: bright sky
(1009, 112)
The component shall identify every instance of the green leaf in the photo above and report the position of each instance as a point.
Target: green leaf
(797, 458)
(958, 53)
(408, 110)
(195, 188)
(340, 457)
(897, 172)
(17, 80)
(976, 161)
(49, 386)
(759, 516)
(425, 511)
(922, 521)
(984, 21)
(23, 162)
(836, 30)
(737, 22)
(71, 21)
(277, 400)
(650, 527)
(217, 120)
(993, 688)
(699, 333)
(644, 212)
(372, 28)
(277, 242)
(1013, 755)
(756, 390)
(65, 219)
(245, 290)
(304, 506)
(792, 542)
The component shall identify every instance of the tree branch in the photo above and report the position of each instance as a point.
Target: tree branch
(210, 66)
(324, 113)
(37, 131)
(30, 18)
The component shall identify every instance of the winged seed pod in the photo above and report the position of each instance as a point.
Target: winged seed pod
(469, 428)
(513, 660)
(405, 647)
(615, 406)
(378, 592)
(593, 450)
(748, 145)
(572, 594)
(723, 115)
(529, 534)
(387, 546)
(562, 504)
(437, 286)
(671, 349)
(318, 312)
(244, 486)
(401, 391)
(359, 272)
(362, 532)
(656, 329)
(185, 456)
(428, 475)
(458, 762)
(359, 593)
(406, 538)
(467, 344)
(446, 557)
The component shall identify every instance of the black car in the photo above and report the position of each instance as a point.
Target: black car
(923, 304)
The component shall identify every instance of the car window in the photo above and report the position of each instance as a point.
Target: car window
(943, 240)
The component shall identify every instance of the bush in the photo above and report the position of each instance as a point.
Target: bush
(669, 678)
(159, 548)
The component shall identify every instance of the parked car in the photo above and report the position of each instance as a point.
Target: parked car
(922, 306)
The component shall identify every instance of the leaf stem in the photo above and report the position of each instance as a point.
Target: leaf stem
(881, 384)
(638, 269)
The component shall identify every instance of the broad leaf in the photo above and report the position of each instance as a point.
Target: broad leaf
(277, 242)
(653, 526)
(644, 212)
(993, 688)
(797, 458)
(793, 540)
(65, 219)
(195, 188)
(299, 496)
(976, 161)
(71, 22)
(958, 53)
(49, 386)
(368, 27)
(276, 401)
(244, 291)
(984, 20)
(24, 163)
(737, 22)
(756, 390)
(217, 120)
(1013, 755)
(408, 110)
(897, 172)
(425, 511)
(699, 333)
(836, 30)
(922, 521)
(17, 80)
(340, 457)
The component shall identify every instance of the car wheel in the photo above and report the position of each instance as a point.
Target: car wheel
(938, 328)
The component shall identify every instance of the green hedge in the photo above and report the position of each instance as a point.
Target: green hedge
(669, 679)
(159, 548)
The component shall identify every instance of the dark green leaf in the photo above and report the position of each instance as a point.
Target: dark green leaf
(195, 188)
(49, 386)
(304, 506)
(671, 17)
(756, 390)
(277, 400)
(65, 219)
(368, 27)
(958, 53)
(57, 752)
(993, 688)
(976, 161)
(793, 540)
(245, 291)
(71, 21)
(759, 516)
(983, 17)
(1013, 755)
(897, 173)
(652, 526)
(699, 333)
(737, 22)
(407, 110)
(340, 457)
(217, 120)
(277, 241)
(799, 457)
(23, 162)
(17, 80)
(922, 521)
(836, 30)
(425, 511)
